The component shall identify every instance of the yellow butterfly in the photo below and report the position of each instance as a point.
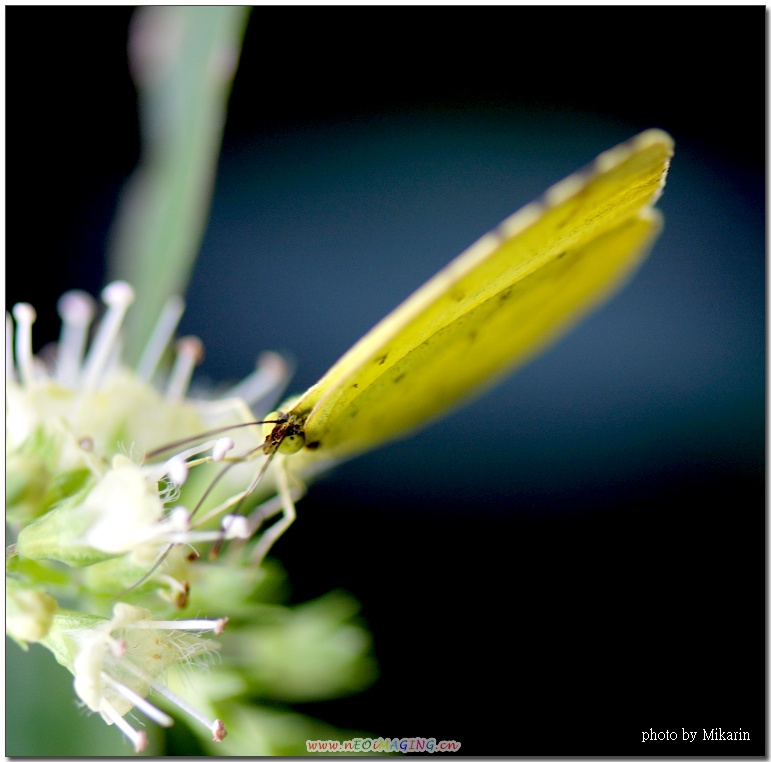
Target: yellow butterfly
(506, 297)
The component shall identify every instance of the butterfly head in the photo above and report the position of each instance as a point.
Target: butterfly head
(285, 435)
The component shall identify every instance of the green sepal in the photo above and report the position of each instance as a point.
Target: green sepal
(56, 535)
(62, 639)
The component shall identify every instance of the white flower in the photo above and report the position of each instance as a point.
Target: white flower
(117, 662)
(124, 510)
(94, 484)
(115, 477)
(83, 422)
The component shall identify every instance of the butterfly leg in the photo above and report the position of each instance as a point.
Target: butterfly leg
(270, 508)
(287, 498)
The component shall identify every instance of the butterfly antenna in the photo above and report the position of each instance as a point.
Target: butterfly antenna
(219, 476)
(201, 501)
(189, 440)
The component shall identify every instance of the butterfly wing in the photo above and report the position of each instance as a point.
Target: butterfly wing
(495, 305)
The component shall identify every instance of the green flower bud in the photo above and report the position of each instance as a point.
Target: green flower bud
(29, 612)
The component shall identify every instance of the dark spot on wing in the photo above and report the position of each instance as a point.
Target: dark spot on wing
(355, 386)
(399, 378)
(505, 294)
(562, 254)
(380, 360)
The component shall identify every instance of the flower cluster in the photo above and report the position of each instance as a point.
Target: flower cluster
(103, 508)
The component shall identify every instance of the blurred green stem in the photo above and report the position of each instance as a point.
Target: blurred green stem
(183, 61)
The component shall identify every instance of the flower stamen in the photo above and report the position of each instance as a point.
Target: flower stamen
(138, 738)
(217, 727)
(25, 316)
(76, 310)
(201, 625)
(118, 297)
(177, 470)
(189, 354)
(161, 337)
(79, 419)
(270, 376)
(178, 466)
(221, 448)
(149, 710)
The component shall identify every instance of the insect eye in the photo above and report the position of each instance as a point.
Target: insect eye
(291, 443)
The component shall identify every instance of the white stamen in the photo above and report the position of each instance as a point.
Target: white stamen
(201, 625)
(175, 529)
(217, 727)
(9, 369)
(197, 450)
(187, 538)
(76, 309)
(189, 354)
(158, 471)
(235, 527)
(179, 519)
(160, 338)
(138, 738)
(177, 470)
(272, 374)
(151, 712)
(221, 448)
(25, 316)
(118, 296)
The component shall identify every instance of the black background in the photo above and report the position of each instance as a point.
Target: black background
(563, 621)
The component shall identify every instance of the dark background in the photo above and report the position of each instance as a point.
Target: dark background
(579, 556)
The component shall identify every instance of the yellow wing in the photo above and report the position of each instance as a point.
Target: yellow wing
(496, 304)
